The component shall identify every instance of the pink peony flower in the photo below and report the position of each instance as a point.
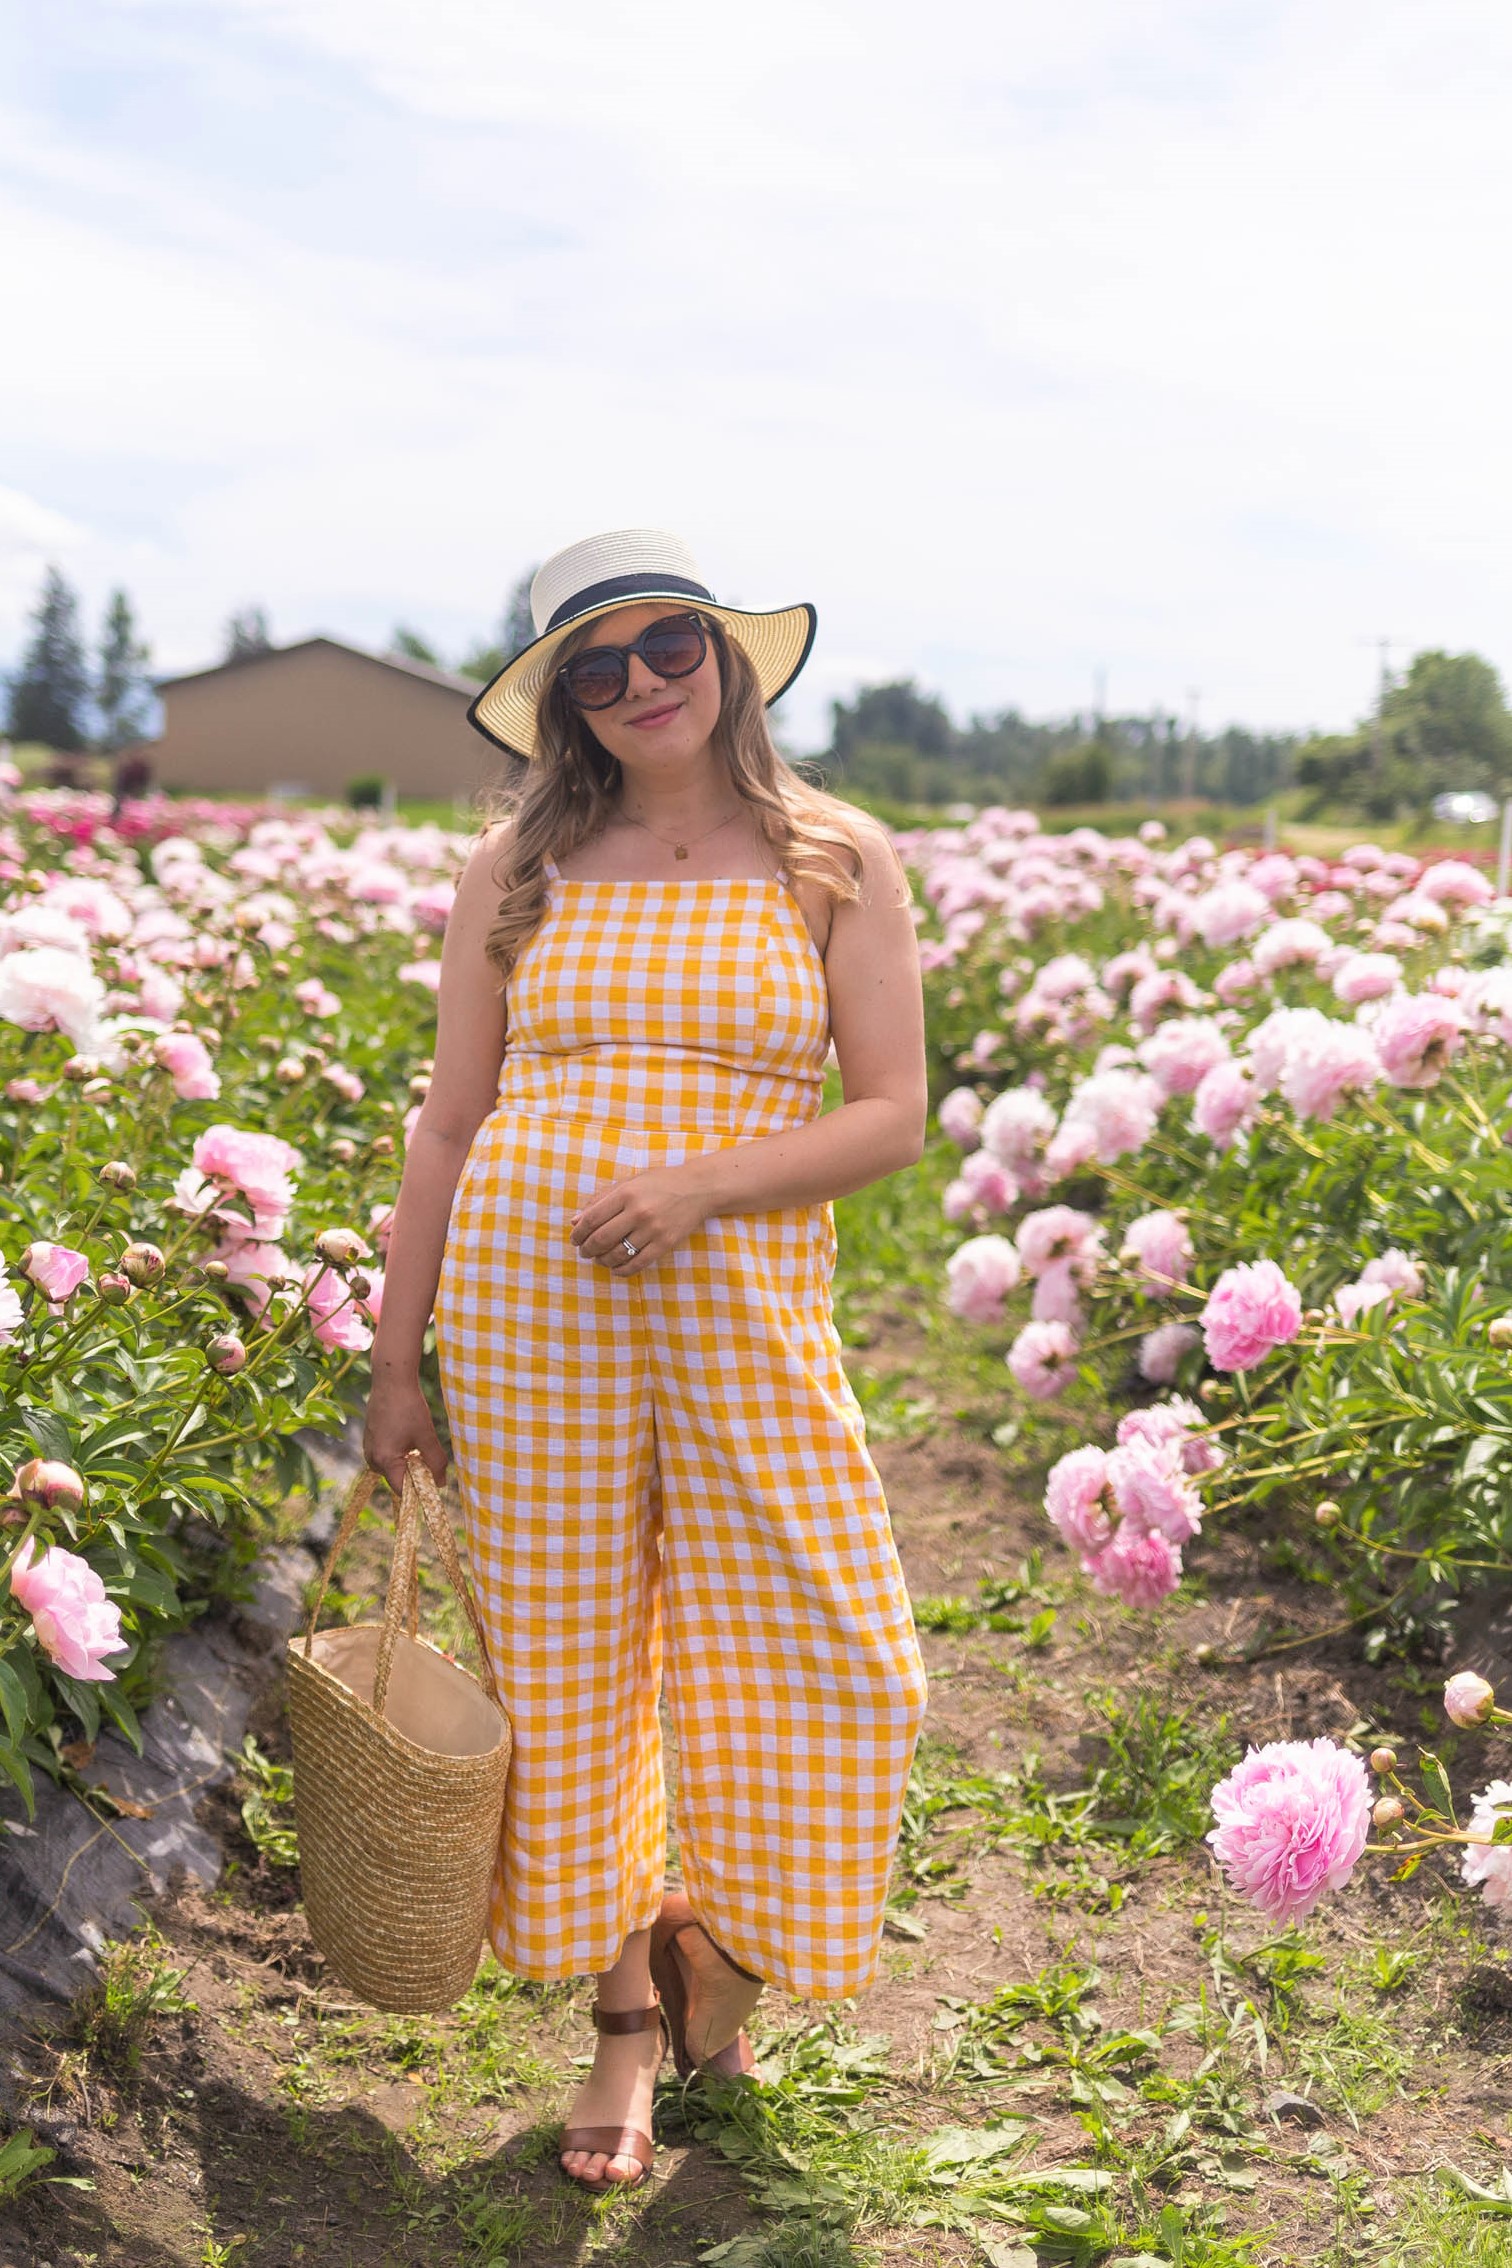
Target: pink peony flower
(1225, 1103)
(345, 1083)
(1485, 1862)
(1354, 1300)
(371, 1301)
(1236, 981)
(55, 1269)
(315, 999)
(1163, 1350)
(1140, 1566)
(12, 1313)
(1468, 1699)
(1286, 944)
(1397, 1270)
(188, 1063)
(1293, 1819)
(1076, 1498)
(258, 1165)
(1366, 976)
(1327, 1060)
(1178, 1055)
(1043, 1359)
(1230, 911)
(75, 1622)
(980, 1275)
(427, 973)
(1121, 1109)
(1159, 1243)
(1455, 882)
(1057, 1295)
(1250, 1310)
(337, 1317)
(1059, 1232)
(1015, 1127)
(47, 988)
(1070, 1147)
(1275, 1037)
(960, 1117)
(1151, 1489)
(1177, 1423)
(1416, 1034)
(252, 1267)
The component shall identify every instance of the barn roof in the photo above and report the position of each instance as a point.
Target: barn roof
(443, 677)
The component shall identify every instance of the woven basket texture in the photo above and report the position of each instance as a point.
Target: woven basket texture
(400, 1763)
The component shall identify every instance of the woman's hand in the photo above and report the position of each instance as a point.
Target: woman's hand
(398, 1420)
(655, 1211)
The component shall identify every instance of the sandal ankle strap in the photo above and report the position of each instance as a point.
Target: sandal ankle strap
(627, 2019)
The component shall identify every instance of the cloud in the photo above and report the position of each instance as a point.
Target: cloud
(1027, 343)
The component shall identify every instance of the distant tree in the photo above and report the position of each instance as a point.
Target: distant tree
(891, 716)
(412, 647)
(1444, 725)
(123, 694)
(517, 625)
(247, 633)
(1078, 775)
(49, 693)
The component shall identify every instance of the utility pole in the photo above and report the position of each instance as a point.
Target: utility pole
(1189, 758)
(1383, 646)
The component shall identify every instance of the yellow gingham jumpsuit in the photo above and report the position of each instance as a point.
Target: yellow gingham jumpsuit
(672, 1466)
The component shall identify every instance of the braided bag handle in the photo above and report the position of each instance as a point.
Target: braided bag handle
(420, 1498)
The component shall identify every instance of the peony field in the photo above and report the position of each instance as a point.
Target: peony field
(1186, 1356)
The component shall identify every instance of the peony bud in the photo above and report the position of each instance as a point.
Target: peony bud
(382, 1145)
(1313, 1315)
(216, 1271)
(343, 1151)
(1468, 1699)
(226, 1354)
(1326, 1514)
(47, 1482)
(282, 969)
(1383, 1760)
(116, 1174)
(25, 1091)
(359, 1284)
(115, 1290)
(78, 1068)
(419, 1087)
(288, 1070)
(1499, 1333)
(143, 1263)
(1388, 1811)
(341, 1246)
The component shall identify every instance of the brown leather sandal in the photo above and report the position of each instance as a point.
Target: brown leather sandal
(677, 1916)
(614, 2141)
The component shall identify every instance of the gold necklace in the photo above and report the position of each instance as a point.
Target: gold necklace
(681, 849)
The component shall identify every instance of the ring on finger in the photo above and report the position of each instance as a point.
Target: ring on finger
(629, 1247)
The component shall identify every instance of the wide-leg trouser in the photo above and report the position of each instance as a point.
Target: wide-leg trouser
(671, 1468)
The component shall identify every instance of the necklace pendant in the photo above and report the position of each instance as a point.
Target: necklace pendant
(679, 850)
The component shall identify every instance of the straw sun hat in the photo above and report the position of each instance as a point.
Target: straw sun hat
(601, 574)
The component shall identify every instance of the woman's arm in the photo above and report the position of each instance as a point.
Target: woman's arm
(469, 1050)
(871, 964)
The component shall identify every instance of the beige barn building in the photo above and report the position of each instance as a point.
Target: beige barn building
(310, 718)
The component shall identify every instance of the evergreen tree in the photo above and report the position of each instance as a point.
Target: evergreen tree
(247, 633)
(410, 646)
(123, 694)
(49, 693)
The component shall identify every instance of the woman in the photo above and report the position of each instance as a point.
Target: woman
(616, 1198)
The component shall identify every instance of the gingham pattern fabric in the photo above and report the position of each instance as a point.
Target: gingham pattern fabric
(672, 1467)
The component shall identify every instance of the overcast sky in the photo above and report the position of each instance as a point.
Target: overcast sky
(1161, 338)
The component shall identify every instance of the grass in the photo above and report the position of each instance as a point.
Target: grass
(1435, 2228)
(136, 1989)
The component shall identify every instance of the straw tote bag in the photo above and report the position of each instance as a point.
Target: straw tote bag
(400, 1758)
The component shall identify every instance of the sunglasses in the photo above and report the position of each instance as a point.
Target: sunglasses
(599, 676)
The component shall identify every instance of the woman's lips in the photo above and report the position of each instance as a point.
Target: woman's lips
(654, 717)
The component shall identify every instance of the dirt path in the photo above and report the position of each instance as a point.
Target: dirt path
(1068, 2056)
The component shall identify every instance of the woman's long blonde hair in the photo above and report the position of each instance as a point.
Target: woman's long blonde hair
(568, 791)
